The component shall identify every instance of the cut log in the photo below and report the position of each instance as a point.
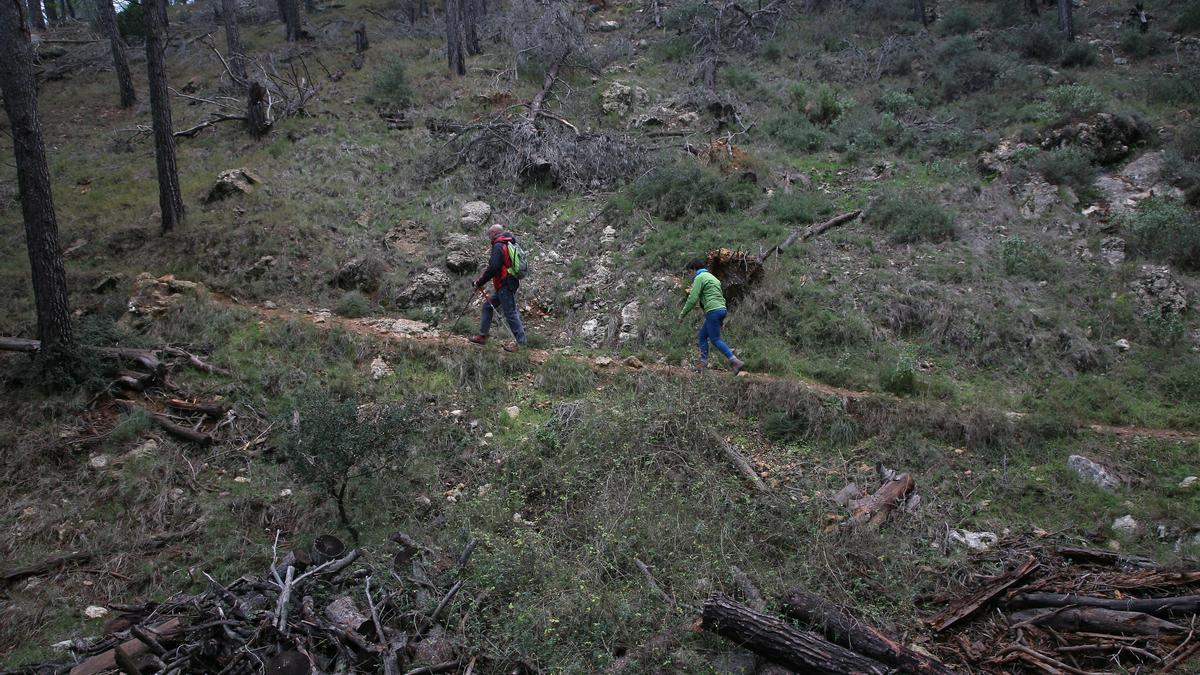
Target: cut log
(843, 628)
(874, 510)
(208, 409)
(741, 463)
(1100, 557)
(775, 639)
(1178, 606)
(1097, 620)
(990, 589)
(107, 660)
(48, 565)
(14, 344)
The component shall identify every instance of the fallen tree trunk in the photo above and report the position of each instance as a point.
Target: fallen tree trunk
(812, 231)
(14, 344)
(971, 604)
(874, 510)
(144, 357)
(107, 660)
(843, 628)
(208, 409)
(1100, 557)
(775, 639)
(1178, 606)
(180, 431)
(1097, 620)
(741, 463)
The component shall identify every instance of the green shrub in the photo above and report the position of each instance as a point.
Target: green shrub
(390, 83)
(895, 101)
(129, 21)
(1189, 19)
(799, 207)
(353, 305)
(1161, 228)
(331, 443)
(1078, 55)
(958, 21)
(911, 218)
(686, 188)
(1076, 100)
(900, 377)
(1022, 258)
(962, 68)
(565, 377)
(824, 108)
(740, 78)
(772, 52)
(793, 131)
(1069, 166)
(1041, 42)
(1140, 45)
(1179, 89)
(1166, 328)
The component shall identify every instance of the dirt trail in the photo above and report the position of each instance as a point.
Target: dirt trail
(372, 326)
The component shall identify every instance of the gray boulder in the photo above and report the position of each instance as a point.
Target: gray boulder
(1093, 472)
(427, 286)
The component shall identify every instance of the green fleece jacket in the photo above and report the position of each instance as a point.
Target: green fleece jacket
(707, 289)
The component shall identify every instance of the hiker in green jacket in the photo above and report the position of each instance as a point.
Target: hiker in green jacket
(706, 289)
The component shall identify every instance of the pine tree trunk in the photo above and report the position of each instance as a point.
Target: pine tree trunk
(33, 177)
(36, 19)
(289, 12)
(68, 9)
(470, 19)
(233, 40)
(106, 17)
(1065, 23)
(310, 6)
(170, 200)
(454, 47)
(256, 111)
(51, 12)
(919, 11)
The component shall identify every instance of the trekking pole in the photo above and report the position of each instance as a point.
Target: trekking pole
(465, 307)
(496, 314)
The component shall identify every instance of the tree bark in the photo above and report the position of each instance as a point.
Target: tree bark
(33, 177)
(106, 17)
(1097, 620)
(360, 45)
(256, 111)
(170, 198)
(51, 12)
(967, 606)
(843, 628)
(454, 47)
(68, 9)
(233, 40)
(1065, 23)
(1185, 605)
(919, 11)
(874, 510)
(310, 6)
(36, 19)
(289, 12)
(777, 640)
(471, 10)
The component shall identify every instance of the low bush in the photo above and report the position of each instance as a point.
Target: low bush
(1023, 258)
(910, 218)
(899, 377)
(561, 376)
(1188, 20)
(1074, 101)
(958, 21)
(686, 188)
(390, 83)
(1161, 228)
(1041, 42)
(1069, 167)
(793, 131)
(353, 304)
(799, 207)
(960, 67)
(1166, 329)
(895, 101)
(1139, 45)
(1182, 88)
(1078, 55)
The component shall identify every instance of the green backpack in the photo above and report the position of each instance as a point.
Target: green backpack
(518, 264)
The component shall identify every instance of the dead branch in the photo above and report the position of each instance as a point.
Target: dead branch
(650, 580)
(989, 590)
(812, 231)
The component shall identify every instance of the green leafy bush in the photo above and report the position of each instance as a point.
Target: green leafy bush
(1165, 328)
(1022, 258)
(390, 83)
(900, 377)
(740, 78)
(331, 443)
(1189, 19)
(1078, 55)
(1076, 100)
(958, 21)
(962, 68)
(1140, 45)
(1069, 166)
(910, 218)
(799, 207)
(565, 377)
(1161, 228)
(129, 21)
(1040, 42)
(793, 131)
(353, 305)
(1182, 88)
(686, 188)
(895, 101)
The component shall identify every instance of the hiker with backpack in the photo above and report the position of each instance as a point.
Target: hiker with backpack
(706, 290)
(506, 267)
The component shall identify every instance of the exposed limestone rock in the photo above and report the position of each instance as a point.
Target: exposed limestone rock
(153, 296)
(620, 99)
(1158, 292)
(475, 214)
(427, 286)
(232, 182)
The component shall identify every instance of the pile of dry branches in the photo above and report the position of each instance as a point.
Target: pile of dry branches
(317, 609)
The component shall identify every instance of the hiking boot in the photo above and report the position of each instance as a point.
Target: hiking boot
(737, 364)
(701, 366)
(511, 347)
(477, 339)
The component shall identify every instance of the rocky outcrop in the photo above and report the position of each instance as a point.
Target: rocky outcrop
(363, 273)
(1158, 293)
(621, 99)
(152, 296)
(458, 253)
(631, 313)
(1107, 138)
(1141, 178)
(475, 214)
(232, 182)
(427, 286)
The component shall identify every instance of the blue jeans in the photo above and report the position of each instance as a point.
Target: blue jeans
(711, 332)
(506, 300)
